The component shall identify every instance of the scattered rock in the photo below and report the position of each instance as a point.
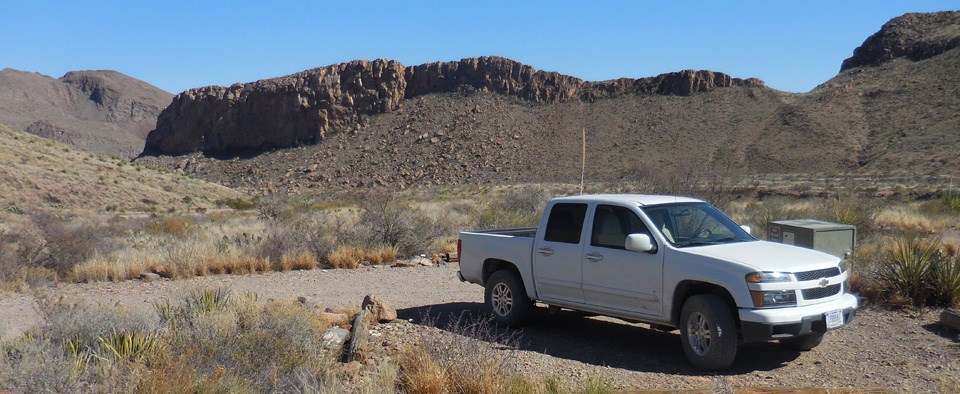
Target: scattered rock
(302, 299)
(334, 338)
(336, 319)
(950, 318)
(352, 368)
(149, 276)
(380, 310)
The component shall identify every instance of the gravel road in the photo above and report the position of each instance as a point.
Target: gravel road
(904, 350)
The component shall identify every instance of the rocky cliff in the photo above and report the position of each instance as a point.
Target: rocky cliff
(912, 36)
(304, 107)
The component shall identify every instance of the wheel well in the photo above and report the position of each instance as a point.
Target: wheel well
(493, 265)
(689, 288)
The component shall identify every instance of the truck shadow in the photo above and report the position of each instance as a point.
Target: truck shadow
(601, 341)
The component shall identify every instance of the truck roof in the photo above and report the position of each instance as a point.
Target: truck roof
(639, 199)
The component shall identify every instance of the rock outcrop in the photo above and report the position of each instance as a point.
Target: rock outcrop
(912, 36)
(301, 108)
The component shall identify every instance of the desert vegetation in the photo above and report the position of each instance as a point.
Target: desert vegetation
(214, 340)
(906, 238)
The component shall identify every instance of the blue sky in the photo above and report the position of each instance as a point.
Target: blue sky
(176, 45)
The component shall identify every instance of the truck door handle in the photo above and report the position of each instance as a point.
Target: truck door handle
(546, 251)
(595, 257)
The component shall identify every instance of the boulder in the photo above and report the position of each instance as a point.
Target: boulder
(950, 318)
(149, 276)
(336, 319)
(380, 310)
(334, 338)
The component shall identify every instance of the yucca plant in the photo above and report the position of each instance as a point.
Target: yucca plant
(907, 270)
(130, 346)
(946, 281)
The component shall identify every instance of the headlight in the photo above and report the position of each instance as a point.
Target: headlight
(770, 299)
(769, 277)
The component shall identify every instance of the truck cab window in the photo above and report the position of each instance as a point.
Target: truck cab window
(565, 223)
(612, 224)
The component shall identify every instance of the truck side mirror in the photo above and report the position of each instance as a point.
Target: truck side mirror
(640, 243)
(746, 228)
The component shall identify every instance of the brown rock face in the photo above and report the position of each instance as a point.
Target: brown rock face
(277, 112)
(913, 36)
(301, 108)
(495, 74)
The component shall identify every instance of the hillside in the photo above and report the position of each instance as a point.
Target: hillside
(104, 112)
(891, 110)
(38, 174)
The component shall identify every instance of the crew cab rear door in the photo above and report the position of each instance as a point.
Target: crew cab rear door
(615, 278)
(558, 254)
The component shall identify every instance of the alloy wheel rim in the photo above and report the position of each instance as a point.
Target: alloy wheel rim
(501, 299)
(698, 333)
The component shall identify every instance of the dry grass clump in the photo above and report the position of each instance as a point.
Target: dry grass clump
(904, 219)
(383, 254)
(299, 261)
(346, 257)
(471, 360)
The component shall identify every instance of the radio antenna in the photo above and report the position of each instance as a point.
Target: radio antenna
(583, 157)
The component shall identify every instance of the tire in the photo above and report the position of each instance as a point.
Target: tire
(708, 332)
(507, 298)
(803, 342)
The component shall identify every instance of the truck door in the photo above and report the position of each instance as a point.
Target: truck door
(557, 254)
(616, 278)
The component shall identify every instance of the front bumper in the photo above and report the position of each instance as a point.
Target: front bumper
(757, 325)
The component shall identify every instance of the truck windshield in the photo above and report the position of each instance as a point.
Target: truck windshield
(695, 224)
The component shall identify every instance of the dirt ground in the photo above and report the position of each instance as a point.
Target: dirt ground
(900, 350)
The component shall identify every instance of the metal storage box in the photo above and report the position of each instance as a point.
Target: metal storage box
(833, 238)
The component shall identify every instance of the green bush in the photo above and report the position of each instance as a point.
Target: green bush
(917, 272)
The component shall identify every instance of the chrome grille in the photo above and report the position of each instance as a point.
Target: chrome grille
(821, 292)
(817, 274)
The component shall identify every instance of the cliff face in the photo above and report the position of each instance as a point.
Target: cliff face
(301, 108)
(277, 112)
(912, 36)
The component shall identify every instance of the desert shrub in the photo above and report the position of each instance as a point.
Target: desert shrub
(273, 346)
(903, 218)
(52, 244)
(515, 208)
(772, 211)
(237, 203)
(176, 226)
(387, 220)
(853, 211)
(916, 271)
(946, 281)
(695, 178)
(472, 360)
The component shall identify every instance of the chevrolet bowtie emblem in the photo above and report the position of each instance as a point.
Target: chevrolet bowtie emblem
(824, 282)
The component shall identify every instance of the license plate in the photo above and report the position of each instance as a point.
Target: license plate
(834, 319)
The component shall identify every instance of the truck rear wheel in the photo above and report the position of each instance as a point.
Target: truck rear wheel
(708, 332)
(803, 342)
(507, 298)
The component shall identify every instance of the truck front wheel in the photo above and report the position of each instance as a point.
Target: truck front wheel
(506, 298)
(708, 332)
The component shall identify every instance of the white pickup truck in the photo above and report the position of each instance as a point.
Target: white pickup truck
(671, 262)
